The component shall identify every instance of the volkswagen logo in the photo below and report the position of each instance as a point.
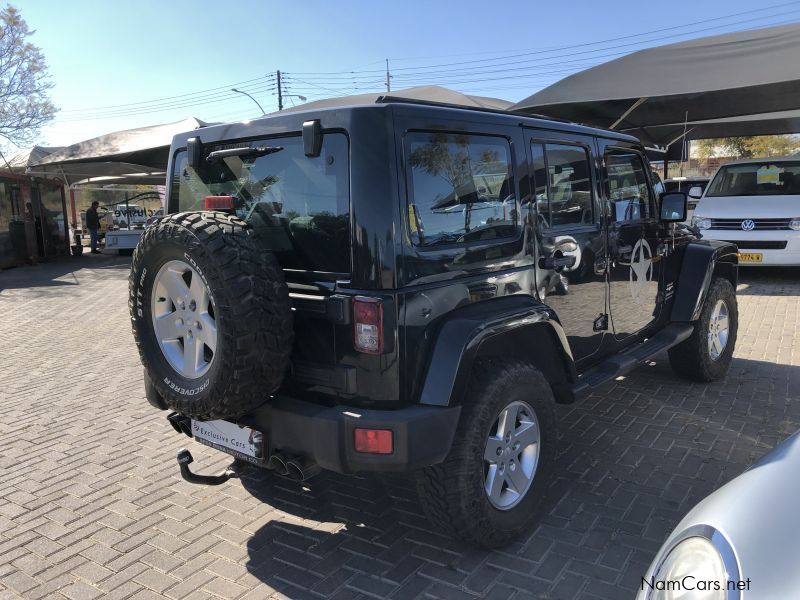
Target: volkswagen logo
(748, 225)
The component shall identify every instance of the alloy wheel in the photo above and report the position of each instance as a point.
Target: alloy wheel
(183, 319)
(511, 455)
(718, 330)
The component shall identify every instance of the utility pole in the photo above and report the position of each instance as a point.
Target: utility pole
(280, 93)
(388, 77)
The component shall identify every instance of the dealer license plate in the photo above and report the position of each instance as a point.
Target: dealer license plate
(242, 442)
(750, 257)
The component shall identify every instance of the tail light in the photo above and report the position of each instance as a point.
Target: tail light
(368, 324)
(374, 441)
(219, 203)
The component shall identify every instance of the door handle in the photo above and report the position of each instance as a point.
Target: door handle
(557, 263)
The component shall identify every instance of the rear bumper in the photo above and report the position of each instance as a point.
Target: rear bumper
(422, 435)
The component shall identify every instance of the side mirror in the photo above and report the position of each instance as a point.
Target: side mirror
(673, 207)
(695, 192)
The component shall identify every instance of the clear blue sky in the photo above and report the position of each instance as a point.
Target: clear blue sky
(112, 53)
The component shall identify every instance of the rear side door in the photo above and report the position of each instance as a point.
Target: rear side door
(571, 243)
(633, 240)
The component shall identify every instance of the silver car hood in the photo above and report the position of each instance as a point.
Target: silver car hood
(759, 514)
(749, 207)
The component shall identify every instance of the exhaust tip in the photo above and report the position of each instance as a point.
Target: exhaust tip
(278, 464)
(294, 471)
(302, 470)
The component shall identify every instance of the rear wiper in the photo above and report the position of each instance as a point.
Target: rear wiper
(257, 151)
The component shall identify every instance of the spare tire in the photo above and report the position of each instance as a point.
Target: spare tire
(210, 313)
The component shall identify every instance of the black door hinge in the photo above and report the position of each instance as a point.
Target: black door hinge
(601, 323)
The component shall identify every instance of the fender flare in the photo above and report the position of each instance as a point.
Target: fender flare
(701, 260)
(460, 337)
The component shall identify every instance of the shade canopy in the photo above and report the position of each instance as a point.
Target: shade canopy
(773, 123)
(133, 155)
(428, 93)
(746, 75)
(23, 159)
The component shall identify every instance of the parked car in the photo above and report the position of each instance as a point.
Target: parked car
(742, 541)
(755, 204)
(368, 288)
(693, 186)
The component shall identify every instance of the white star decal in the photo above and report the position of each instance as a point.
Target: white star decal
(641, 269)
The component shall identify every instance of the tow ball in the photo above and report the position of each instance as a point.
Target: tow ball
(185, 458)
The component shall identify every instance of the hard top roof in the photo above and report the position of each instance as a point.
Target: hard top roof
(298, 114)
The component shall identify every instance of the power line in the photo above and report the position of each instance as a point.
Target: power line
(537, 65)
(538, 51)
(156, 100)
(198, 101)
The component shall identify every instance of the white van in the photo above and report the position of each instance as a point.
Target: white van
(754, 203)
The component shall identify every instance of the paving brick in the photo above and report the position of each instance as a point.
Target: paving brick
(92, 504)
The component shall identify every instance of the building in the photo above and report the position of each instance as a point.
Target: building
(33, 224)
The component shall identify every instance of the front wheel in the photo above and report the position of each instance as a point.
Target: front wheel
(489, 488)
(707, 353)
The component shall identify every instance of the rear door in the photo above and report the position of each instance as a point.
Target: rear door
(300, 208)
(633, 240)
(571, 247)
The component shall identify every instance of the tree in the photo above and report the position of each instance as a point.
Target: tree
(25, 105)
(749, 147)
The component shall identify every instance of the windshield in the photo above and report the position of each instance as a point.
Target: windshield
(300, 205)
(765, 178)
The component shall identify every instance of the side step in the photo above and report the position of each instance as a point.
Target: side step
(626, 361)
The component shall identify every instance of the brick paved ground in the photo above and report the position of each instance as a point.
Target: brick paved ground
(91, 504)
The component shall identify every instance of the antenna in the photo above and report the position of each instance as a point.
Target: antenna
(683, 149)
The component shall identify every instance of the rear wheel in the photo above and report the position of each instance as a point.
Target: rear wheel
(707, 353)
(489, 488)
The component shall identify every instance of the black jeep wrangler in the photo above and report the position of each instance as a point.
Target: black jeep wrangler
(409, 286)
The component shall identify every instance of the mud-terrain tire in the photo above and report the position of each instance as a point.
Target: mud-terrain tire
(694, 358)
(244, 313)
(453, 494)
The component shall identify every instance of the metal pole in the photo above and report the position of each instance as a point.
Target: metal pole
(666, 167)
(280, 93)
(388, 77)
(251, 98)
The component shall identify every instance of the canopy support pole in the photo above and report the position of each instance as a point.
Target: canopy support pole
(666, 167)
(624, 115)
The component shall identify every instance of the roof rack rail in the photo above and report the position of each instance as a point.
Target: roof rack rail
(388, 98)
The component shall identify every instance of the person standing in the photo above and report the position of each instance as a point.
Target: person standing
(93, 225)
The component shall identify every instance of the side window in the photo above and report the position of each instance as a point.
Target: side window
(461, 188)
(627, 187)
(563, 185)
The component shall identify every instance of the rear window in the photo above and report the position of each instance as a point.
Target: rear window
(757, 179)
(300, 205)
(461, 188)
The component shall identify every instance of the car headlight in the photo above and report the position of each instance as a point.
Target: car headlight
(701, 566)
(795, 224)
(701, 222)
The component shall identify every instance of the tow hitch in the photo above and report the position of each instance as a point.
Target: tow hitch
(185, 458)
